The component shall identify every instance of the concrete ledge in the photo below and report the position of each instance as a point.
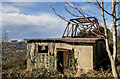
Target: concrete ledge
(90, 40)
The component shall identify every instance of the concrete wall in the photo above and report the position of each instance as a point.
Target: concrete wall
(83, 53)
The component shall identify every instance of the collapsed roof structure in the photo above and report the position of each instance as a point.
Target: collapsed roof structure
(83, 25)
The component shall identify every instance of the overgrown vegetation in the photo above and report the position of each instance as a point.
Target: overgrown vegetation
(74, 61)
(52, 61)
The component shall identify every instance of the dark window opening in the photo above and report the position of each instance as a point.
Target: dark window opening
(42, 49)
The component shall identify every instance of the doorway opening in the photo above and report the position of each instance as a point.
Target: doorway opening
(64, 57)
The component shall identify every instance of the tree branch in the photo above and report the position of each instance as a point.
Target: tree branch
(103, 9)
(99, 6)
(72, 13)
(117, 2)
(59, 14)
(74, 7)
(84, 12)
(117, 19)
(94, 13)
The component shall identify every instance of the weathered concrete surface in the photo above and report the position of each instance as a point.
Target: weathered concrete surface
(87, 51)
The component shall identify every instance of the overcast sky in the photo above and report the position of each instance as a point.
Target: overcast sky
(24, 20)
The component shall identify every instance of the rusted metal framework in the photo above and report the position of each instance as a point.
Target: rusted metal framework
(83, 25)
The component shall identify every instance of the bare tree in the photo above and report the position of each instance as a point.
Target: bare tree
(114, 56)
(100, 5)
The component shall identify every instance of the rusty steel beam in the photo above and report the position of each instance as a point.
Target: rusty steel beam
(65, 30)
